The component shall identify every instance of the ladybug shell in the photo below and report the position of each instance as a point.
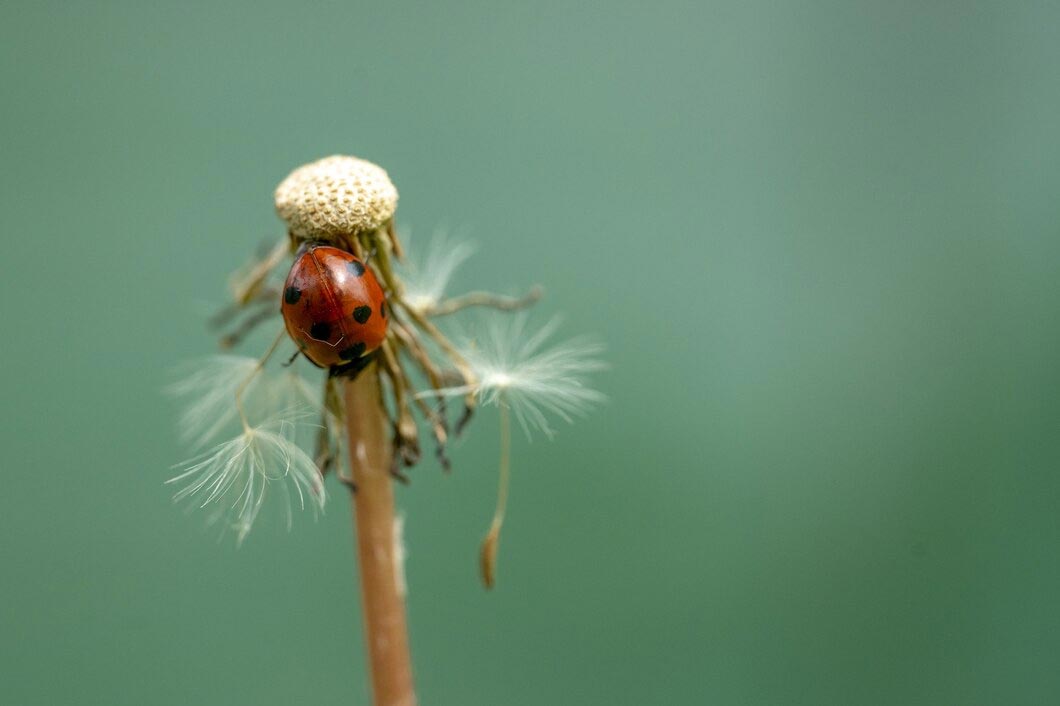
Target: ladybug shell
(333, 306)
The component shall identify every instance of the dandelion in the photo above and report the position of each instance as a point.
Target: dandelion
(387, 302)
(234, 478)
(519, 375)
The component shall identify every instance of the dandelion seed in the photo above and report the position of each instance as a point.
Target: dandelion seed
(288, 390)
(517, 373)
(427, 276)
(233, 480)
(514, 366)
(208, 390)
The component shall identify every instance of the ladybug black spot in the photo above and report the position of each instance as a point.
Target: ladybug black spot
(362, 313)
(353, 352)
(320, 331)
(355, 267)
(382, 309)
(291, 295)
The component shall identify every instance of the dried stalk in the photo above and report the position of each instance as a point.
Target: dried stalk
(487, 300)
(383, 602)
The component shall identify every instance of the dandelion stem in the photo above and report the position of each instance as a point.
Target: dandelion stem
(382, 599)
(488, 555)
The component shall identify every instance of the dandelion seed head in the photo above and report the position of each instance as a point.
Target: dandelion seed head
(336, 196)
(233, 480)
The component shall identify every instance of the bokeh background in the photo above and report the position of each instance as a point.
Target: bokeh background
(819, 239)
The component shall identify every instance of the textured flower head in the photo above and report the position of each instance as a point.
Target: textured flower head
(336, 196)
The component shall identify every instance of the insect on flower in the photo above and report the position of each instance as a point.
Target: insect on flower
(333, 307)
(347, 310)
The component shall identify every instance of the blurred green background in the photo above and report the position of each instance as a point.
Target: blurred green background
(820, 240)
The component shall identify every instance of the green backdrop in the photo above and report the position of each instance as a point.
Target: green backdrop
(819, 239)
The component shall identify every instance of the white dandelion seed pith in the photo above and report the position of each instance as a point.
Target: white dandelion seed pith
(233, 479)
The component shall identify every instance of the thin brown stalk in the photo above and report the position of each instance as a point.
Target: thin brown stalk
(382, 599)
(449, 349)
(246, 286)
(485, 299)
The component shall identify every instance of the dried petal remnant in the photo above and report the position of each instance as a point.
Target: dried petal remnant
(336, 196)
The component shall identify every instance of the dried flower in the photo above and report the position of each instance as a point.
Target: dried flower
(336, 196)
(350, 204)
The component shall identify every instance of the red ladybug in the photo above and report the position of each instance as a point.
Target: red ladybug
(333, 307)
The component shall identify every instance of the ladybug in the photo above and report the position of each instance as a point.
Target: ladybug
(333, 308)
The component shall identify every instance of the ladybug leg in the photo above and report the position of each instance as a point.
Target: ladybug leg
(351, 369)
(290, 361)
